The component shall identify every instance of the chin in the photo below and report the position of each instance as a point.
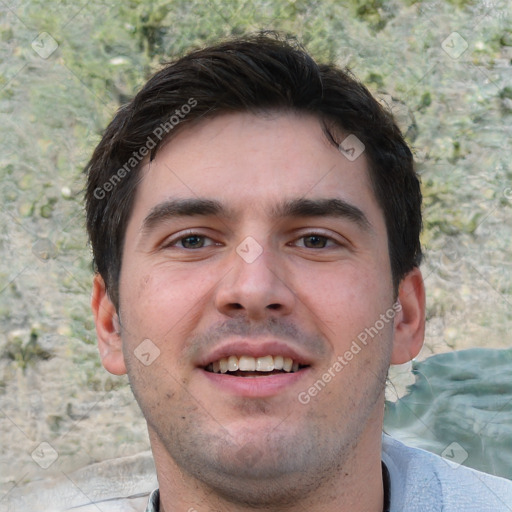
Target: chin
(274, 469)
(253, 478)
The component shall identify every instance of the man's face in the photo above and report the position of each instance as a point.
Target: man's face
(254, 236)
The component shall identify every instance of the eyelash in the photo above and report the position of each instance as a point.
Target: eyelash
(329, 240)
(189, 234)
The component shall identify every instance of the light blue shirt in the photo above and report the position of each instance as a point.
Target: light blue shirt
(424, 482)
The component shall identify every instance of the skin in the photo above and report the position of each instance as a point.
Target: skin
(215, 450)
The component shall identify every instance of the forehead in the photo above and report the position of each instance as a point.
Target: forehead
(252, 162)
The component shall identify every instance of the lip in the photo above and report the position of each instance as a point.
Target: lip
(255, 387)
(254, 348)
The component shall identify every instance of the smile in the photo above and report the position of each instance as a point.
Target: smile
(248, 366)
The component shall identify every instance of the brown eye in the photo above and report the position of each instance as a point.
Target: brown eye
(192, 242)
(315, 241)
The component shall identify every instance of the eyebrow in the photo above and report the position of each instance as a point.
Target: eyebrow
(323, 208)
(293, 208)
(181, 208)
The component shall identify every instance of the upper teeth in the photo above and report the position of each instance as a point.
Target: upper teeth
(251, 364)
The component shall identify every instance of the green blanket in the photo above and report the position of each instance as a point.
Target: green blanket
(462, 397)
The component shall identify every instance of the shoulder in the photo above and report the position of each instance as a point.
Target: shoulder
(132, 504)
(423, 481)
(122, 484)
(141, 503)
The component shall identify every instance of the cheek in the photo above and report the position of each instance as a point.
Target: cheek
(156, 302)
(341, 295)
(345, 303)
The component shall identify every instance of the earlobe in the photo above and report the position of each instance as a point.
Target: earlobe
(107, 328)
(409, 328)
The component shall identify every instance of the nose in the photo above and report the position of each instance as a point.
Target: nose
(255, 286)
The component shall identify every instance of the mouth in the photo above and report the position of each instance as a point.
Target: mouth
(258, 368)
(248, 366)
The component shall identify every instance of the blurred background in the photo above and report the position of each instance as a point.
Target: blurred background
(442, 67)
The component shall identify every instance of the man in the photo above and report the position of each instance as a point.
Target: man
(255, 222)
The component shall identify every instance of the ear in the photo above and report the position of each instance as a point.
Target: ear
(107, 328)
(410, 318)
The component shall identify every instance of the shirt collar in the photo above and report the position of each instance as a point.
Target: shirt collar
(154, 501)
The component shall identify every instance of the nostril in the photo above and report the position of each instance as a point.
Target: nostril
(274, 306)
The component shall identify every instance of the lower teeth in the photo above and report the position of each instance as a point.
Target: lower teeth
(239, 373)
